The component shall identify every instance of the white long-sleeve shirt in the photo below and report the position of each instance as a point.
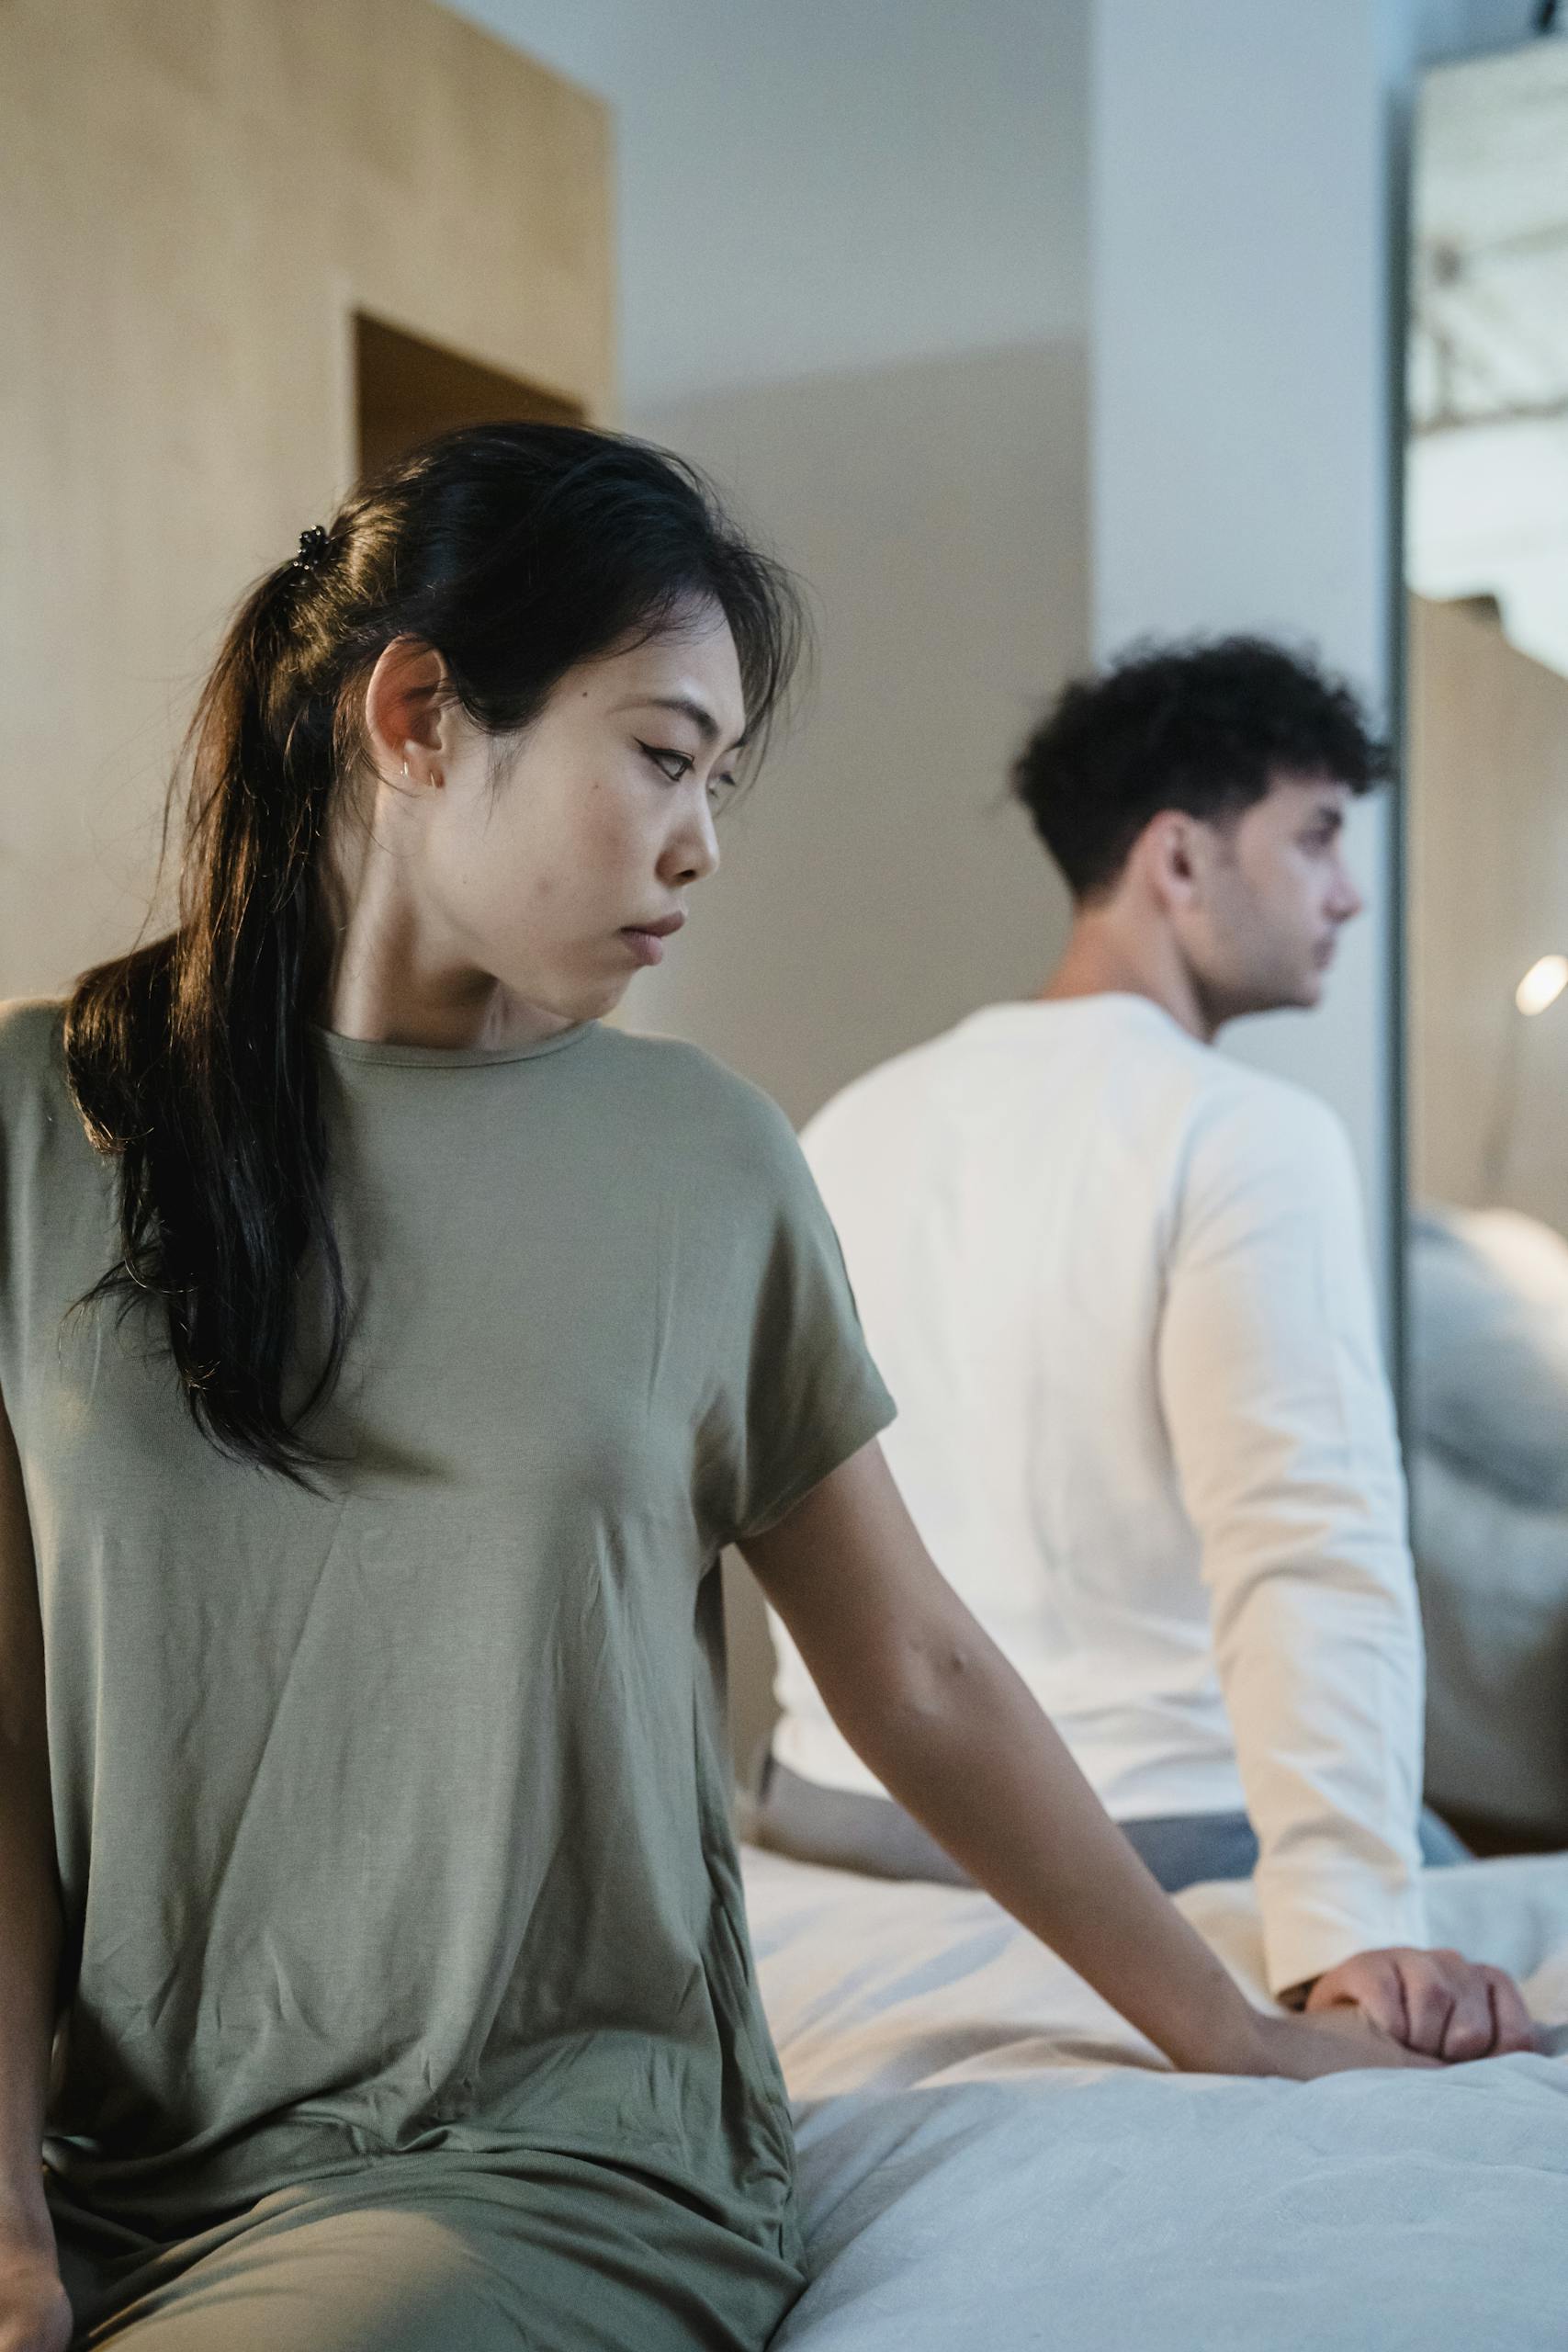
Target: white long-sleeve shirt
(1117, 1285)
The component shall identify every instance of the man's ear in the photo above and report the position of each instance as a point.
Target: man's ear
(1167, 854)
(403, 703)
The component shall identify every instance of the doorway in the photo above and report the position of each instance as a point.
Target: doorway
(406, 391)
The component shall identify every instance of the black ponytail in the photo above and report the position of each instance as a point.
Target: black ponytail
(517, 552)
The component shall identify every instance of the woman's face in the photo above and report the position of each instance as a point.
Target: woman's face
(533, 883)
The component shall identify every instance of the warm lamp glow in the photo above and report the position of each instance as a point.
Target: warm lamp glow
(1542, 984)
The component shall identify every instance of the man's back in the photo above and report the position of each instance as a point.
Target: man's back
(1115, 1283)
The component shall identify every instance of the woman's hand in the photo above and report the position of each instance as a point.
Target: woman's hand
(35, 2315)
(1301, 2047)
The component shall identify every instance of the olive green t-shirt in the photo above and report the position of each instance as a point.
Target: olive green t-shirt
(393, 1818)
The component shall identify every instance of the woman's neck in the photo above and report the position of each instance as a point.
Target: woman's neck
(393, 979)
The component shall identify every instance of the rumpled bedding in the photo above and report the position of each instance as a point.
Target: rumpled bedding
(991, 2158)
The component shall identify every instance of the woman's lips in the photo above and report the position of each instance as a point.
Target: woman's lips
(647, 939)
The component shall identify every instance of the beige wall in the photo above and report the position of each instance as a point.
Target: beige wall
(1488, 882)
(197, 196)
(875, 885)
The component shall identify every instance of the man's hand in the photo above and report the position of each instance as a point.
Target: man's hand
(1436, 2002)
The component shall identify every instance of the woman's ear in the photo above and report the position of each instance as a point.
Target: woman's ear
(404, 700)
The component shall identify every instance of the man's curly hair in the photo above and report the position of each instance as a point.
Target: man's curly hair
(1203, 725)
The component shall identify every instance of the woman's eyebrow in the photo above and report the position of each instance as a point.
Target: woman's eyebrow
(701, 717)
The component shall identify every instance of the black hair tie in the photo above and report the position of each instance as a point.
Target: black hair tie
(315, 546)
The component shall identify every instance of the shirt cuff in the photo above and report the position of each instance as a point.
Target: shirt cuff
(1314, 1918)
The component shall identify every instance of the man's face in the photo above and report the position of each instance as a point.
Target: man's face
(1271, 890)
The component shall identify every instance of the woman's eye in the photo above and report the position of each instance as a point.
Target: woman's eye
(674, 765)
(719, 789)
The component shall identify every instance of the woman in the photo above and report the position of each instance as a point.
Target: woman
(388, 1350)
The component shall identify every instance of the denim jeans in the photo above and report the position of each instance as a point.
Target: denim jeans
(849, 1831)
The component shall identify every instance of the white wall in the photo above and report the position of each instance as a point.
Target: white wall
(813, 185)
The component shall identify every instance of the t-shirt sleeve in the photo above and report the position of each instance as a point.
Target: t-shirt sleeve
(806, 1393)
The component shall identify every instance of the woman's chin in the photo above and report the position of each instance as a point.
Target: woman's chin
(602, 1000)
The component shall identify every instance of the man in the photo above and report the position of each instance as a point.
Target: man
(1116, 1282)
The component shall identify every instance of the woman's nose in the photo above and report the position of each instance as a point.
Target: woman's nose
(693, 853)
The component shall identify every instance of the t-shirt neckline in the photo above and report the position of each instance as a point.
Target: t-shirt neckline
(1103, 1000)
(393, 1055)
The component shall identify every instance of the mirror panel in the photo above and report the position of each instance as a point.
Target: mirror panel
(1486, 568)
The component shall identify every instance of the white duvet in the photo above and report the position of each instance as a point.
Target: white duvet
(989, 2157)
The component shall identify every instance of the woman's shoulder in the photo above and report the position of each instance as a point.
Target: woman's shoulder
(36, 1110)
(696, 1098)
(30, 1032)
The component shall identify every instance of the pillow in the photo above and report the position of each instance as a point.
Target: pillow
(1493, 1580)
(1489, 1348)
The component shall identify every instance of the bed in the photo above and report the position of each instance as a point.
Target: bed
(991, 2158)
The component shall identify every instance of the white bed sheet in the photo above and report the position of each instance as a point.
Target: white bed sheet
(990, 2157)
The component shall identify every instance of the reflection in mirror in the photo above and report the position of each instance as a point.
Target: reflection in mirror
(1487, 565)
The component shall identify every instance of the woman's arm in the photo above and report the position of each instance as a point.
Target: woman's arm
(942, 1720)
(34, 2316)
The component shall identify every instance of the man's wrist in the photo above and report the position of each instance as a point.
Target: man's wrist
(1318, 1914)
